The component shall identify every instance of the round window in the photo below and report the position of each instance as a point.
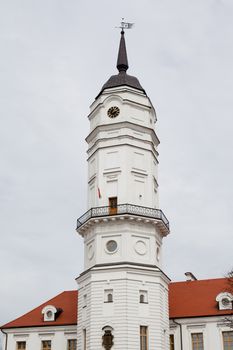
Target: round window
(111, 246)
(225, 302)
(49, 314)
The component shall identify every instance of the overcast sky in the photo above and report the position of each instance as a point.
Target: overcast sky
(55, 56)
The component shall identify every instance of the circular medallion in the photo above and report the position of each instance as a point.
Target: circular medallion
(113, 112)
(140, 248)
(90, 252)
(111, 246)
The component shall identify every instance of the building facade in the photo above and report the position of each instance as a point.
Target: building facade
(198, 310)
(52, 325)
(124, 299)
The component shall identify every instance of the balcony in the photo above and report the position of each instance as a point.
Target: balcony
(124, 209)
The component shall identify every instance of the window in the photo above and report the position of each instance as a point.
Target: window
(84, 339)
(227, 340)
(46, 345)
(224, 301)
(197, 341)
(172, 342)
(111, 246)
(110, 299)
(143, 297)
(72, 344)
(112, 205)
(84, 300)
(157, 253)
(108, 296)
(21, 345)
(49, 313)
(143, 338)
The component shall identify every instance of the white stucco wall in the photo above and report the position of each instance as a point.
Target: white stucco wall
(34, 335)
(211, 327)
(122, 151)
(137, 242)
(125, 315)
(122, 163)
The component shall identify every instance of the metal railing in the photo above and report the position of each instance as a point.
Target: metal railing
(122, 209)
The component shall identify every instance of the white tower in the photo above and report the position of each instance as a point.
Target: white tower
(123, 292)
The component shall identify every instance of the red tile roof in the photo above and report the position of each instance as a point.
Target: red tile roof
(186, 299)
(66, 301)
(196, 298)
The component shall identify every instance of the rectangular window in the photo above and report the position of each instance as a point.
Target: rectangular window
(172, 342)
(21, 345)
(72, 344)
(84, 339)
(227, 340)
(84, 300)
(197, 341)
(46, 345)
(143, 338)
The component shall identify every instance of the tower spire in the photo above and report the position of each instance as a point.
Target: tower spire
(122, 78)
(122, 60)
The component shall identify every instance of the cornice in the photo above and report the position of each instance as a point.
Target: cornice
(119, 125)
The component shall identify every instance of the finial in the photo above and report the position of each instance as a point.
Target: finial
(122, 61)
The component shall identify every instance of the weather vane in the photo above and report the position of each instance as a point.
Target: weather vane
(125, 25)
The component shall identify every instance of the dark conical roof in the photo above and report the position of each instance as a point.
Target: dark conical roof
(122, 60)
(122, 78)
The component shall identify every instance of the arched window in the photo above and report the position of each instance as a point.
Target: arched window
(142, 298)
(108, 295)
(110, 298)
(224, 301)
(49, 313)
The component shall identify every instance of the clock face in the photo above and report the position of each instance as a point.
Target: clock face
(113, 112)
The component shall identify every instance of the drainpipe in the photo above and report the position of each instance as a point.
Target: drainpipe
(181, 335)
(6, 334)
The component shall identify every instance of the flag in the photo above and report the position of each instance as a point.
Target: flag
(99, 194)
(126, 25)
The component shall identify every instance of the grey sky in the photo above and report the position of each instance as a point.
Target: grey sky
(55, 56)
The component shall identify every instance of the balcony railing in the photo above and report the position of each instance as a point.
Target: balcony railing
(122, 209)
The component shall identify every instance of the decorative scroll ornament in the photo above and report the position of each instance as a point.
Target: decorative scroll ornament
(107, 340)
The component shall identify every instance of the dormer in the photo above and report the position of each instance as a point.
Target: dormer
(224, 301)
(49, 313)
